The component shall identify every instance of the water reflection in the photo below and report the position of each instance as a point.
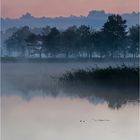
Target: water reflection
(36, 106)
(63, 118)
(114, 99)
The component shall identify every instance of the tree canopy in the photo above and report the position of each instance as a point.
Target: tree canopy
(113, 40)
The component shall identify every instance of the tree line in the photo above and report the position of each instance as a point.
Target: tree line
(113, 40)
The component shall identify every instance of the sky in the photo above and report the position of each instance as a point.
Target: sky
(54, 8)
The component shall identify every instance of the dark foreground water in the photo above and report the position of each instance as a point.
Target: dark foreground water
(35, 107)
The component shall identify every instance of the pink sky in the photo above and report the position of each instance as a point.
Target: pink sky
(53, 8)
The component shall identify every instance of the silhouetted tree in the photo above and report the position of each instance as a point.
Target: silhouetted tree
(46, 30)
(101, 48)
(114, 31)
(51, 42)
(68, 41)
(17, 42)
(35, 45)
(134, 40)
(111, 41)
(85, 39)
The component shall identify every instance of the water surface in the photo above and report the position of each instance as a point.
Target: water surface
(35, 107)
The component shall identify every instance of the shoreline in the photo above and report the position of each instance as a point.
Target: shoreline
(69, 60)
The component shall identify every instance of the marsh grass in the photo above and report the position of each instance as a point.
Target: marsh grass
(118, 77)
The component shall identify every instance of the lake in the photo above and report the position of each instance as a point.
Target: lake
(34, 106)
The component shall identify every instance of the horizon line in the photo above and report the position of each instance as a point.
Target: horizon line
(45, 16)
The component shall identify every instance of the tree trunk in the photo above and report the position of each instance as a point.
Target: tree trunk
(23, 52)
(124, 54)
(67, 55)
(29, 52)
(112, 54)
(9, 51)
(90, 55)
(40, 55)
